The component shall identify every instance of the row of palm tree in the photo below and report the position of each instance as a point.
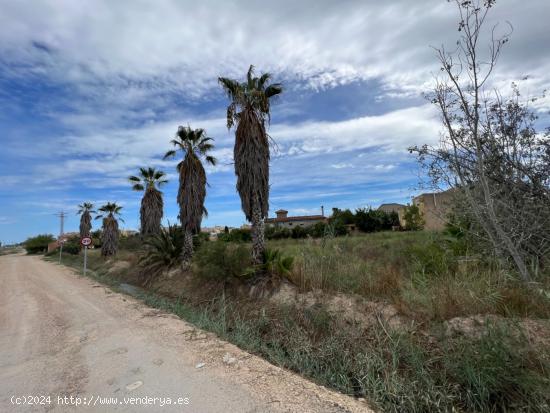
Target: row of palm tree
(249, 113)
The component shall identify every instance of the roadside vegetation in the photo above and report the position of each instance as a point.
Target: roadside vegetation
(411, 321)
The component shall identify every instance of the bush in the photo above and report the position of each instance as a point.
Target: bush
(299, 232)
(276, 232)
(318, 230)
(498, 372)
(163, 252)
(221, 260)
(132, 242)
(71, 247)
(38, 244)
(200, 238)
(236, 235)
(414, 221)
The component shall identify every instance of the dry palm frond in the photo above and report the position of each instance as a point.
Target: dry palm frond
(85, 210)
(192, 180)
(109, 233)
(151, 212)
(249, 109)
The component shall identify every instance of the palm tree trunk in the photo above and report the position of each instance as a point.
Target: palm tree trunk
(258, 239)
(109, 237)
(187, 251)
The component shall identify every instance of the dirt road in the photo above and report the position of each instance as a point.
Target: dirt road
(64, 335)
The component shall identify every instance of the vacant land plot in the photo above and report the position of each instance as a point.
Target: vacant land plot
(409, 321)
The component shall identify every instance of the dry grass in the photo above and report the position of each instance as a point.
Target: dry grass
(420, 273)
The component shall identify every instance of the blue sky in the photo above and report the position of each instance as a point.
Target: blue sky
(91, 91)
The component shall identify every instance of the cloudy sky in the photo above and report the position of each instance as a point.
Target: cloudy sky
(89, 91)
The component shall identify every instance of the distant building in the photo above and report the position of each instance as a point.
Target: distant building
(434, 207)
(213, 232)
(283, 220)
(389, 208)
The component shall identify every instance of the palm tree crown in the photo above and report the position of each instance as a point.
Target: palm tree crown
(109, 233)
(111, 209)
(148, 178)
(253, 94)
(152, 205)
(85, 211)
(86, 207)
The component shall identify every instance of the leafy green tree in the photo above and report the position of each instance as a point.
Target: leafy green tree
(85, 211)
(249, 110)
(38, 244)
(414, 220)
(109, 233)
(195, 145)
(151, 211)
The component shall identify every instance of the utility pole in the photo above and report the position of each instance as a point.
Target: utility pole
(62, 215)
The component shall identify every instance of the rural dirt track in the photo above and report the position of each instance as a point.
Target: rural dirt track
(62, 334)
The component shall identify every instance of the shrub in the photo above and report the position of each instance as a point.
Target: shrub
(275, 232)
(236, 235)
(132, 242)
(163, 252)
(71, 247)
(274, 263)
(38, 244)
(299, 232)
(414, 221)
(221, 260)
(498, 372)
(318, 230)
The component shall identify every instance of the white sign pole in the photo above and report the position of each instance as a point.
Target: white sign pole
(85, 257)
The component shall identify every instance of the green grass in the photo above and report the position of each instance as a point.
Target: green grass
(418, 370)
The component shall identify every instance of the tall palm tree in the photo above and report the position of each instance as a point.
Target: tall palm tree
(151, 211)
(249, 110)
(85, 211)
(192, 182)
(109, 233)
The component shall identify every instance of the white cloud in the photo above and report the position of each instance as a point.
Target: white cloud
(129, 51)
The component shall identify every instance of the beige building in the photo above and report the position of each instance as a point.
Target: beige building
(434, 208)
(283, 220)
(389, 208)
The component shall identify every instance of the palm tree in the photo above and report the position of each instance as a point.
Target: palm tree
(109, 232)
(249, 109)
(151, 211)
(192, 182)
(85, 211)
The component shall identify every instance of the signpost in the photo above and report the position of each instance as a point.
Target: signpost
(85, 242)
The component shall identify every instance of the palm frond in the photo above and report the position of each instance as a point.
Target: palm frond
(169, 154)
(138, 187)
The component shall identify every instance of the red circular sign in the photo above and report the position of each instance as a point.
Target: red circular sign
(86, 241)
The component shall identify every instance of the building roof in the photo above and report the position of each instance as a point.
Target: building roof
(391, 207)
(297, 218)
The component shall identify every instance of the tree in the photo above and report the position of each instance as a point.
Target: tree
(151, 211)
(192, 182)
(109, 233)
(414, 221)
(249, 110)
(490, 151)
(35, 245)
(85, 211)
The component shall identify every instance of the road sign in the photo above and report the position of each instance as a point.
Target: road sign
(86, 241)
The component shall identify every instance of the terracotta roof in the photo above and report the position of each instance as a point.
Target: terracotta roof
(298, 218)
